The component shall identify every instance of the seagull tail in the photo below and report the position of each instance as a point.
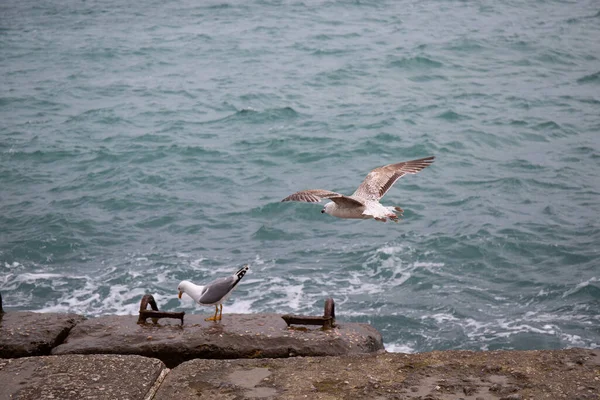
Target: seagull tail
(396, 209)
(241, 272)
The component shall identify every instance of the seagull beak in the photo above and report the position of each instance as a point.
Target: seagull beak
(180, 294)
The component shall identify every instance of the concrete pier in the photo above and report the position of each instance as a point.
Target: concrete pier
(235, 336)
(249, 356)
(572, 374)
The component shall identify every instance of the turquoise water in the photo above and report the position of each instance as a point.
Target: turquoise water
(145, 143)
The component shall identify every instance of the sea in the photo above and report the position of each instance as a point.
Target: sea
(145, 143)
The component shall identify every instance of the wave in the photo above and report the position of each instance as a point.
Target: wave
(452, 116)
(271, 233)
(417, 62)
(428, 78)
(250, 115)
(47, 156)
(547, 125)
(591, 78)
(105, 116)
(556, 57)
(31, 102)
(585, 288)
(466, 45)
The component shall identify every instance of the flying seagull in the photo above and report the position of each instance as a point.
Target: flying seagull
(364, 202)
(213, 293)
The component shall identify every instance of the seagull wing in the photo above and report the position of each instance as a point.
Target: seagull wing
(214, 291)
(316, 195)
(381, 179)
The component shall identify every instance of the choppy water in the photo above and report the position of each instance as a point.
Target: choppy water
(145, 143)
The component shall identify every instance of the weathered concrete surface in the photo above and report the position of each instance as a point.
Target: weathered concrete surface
(24, 334)
(79, 377)
(449, 375)
(236, 336)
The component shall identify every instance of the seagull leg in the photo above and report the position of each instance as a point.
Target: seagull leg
(214, 317)
(393, 216)
(220, 312)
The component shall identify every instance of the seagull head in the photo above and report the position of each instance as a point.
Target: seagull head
(328, 208)
(183, 287)
(192, 290)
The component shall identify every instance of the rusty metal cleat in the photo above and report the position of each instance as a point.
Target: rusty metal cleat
(154, 313)
(327, 321)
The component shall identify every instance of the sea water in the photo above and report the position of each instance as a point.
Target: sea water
(143, 143)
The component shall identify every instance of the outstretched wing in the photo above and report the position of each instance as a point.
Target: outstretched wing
(381, 179)
(316, 195)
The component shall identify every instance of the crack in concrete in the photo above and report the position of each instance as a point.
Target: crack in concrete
(159, 380)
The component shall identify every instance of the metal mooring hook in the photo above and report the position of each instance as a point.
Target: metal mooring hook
(327, 321)
(154, 313)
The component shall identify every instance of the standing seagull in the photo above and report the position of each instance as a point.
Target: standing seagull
(213, 293)
(364, 202)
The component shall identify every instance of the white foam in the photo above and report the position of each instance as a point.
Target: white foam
(442, 318)
(240, 306)
(399, 348)
(403, 278)
(77, 301)
(196, 263)
(294, 296)
(543, 292)
(118, 297)
(430, 266)
(389, 258)
(187, 302)
(258, 260)
(374, 291)
(515, 328)
(32, 277)
(248, 281)
(13, 281)
(391, 250)
(549, 317)
(580, 286)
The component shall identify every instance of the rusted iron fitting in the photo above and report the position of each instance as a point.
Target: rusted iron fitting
(154, 313)
(327, 321)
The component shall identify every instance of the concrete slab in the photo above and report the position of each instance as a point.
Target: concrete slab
(236, 336)
(24, 334)
(76, 377)
(439, 375)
